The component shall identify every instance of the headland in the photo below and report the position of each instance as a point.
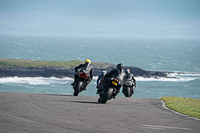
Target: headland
(60, 69)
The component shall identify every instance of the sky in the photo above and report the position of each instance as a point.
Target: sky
(101, 17)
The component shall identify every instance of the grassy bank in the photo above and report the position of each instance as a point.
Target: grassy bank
(187, 106)
(39, 63)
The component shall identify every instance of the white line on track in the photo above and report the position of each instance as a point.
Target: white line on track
(164, 127)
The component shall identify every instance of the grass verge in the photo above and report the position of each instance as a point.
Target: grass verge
(40, 63)
(187, 106)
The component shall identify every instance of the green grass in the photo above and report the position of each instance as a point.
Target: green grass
(39, 63)
(187, 106)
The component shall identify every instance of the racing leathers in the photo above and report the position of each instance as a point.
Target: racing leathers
(87, 68)
(115, 73)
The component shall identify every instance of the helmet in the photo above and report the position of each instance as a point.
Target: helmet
(120, 66)
(127, 71)
(87, 60)
(104, 72)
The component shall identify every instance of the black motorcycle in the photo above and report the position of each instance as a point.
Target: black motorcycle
(81, 83)
(128, 88)
(111, 89)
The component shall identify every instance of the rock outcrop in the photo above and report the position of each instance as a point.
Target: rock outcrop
(59, 72)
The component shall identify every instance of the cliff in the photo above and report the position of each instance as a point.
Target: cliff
(60, 71)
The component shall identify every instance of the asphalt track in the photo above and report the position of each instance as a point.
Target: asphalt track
(40, 113)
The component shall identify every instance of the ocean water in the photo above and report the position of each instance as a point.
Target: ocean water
(178, 55)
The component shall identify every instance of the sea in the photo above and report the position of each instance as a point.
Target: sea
(179, 55)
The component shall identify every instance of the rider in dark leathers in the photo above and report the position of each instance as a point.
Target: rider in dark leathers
(129, 76)
(117, 73)
(87, 67)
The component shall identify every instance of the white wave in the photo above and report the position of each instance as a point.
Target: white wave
(36, 80)
(172, 77)
(165, 79)
(174, 74)
(95, 77)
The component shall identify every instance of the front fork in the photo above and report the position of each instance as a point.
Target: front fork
(84, 85)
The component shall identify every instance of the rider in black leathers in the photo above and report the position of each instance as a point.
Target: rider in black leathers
(117, 73)
(130, 76)
(87, 67)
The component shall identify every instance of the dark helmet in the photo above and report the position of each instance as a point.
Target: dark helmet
(127, 71)
(120, 66)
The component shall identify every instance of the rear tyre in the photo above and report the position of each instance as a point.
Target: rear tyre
(78, 88)
(107, 95)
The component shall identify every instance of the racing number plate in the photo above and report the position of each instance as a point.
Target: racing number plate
(113, 82)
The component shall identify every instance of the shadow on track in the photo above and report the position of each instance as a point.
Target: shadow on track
(58, 95)
(85, 102)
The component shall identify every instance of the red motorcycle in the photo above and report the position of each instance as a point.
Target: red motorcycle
(81, 83)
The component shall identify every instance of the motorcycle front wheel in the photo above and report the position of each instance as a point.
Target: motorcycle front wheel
(78, 88)
(127, 92)
(106, 96)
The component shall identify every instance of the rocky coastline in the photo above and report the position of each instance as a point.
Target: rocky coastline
(60, 72)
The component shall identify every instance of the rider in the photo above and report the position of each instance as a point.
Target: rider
(117, 73)
(87, 67)
(100, 79)
(130, 76)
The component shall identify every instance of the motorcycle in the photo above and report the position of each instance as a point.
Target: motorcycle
(111, 89)
(81, 83)
(128, 88)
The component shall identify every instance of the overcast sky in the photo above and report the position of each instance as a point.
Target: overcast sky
(183, 10)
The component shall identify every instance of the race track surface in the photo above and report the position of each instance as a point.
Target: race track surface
(40, 113)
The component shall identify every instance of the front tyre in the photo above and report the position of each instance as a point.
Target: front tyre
(106, 96)
(78, 88)
(128, 92)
